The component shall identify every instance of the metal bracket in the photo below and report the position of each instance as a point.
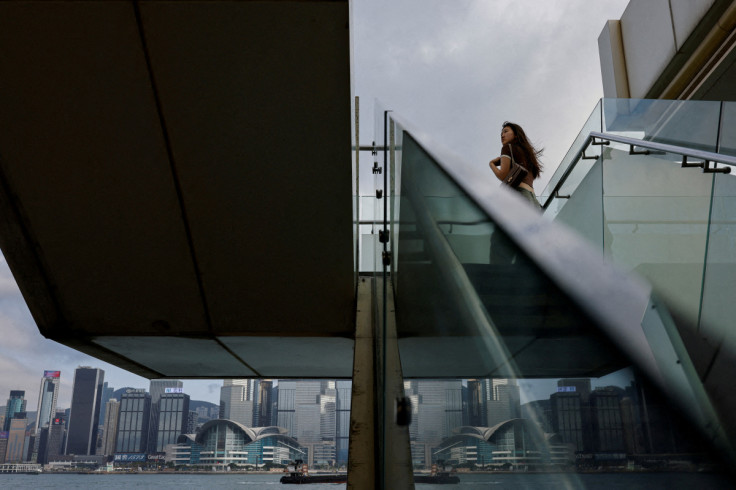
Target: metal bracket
(558, 196)
(601, 142)
(691, 165)
(379, 193)
(383, 236)
(707, 169)
(376, 168)
(594, 157)
(645, 152)
(386, 258)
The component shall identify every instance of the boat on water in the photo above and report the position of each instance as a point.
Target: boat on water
(20, 468)
(298, 473)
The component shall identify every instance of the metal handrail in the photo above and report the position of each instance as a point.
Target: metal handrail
(652, 147)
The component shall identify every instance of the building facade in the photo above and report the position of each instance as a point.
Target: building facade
(173, 415)
(47, 396)
(133, 429)
(112, 417)
(85, 411)
(16, 404)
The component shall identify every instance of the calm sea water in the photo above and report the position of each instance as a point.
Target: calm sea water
(668, 481)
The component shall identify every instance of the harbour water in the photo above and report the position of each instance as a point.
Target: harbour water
(615, 481)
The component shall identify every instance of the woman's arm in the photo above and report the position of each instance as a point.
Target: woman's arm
(503, 169)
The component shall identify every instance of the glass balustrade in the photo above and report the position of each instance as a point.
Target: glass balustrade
(506, 370)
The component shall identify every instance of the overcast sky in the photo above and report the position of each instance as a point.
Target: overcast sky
(456, 69)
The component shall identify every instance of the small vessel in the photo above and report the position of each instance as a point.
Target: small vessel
(439, 475)
(298, 473)
(21, 468)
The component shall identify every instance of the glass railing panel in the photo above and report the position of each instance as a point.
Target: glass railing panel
(505, 373)
(727, 140)
(593, 123)
(693, 124)
(717, 317)
(582, 210)
(656, 222)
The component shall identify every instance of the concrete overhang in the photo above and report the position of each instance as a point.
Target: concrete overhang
(175, 192)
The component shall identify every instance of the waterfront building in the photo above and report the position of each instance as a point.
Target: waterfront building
(16, 438)
(84, 413)
(515, 443)
(157, 388)
(16, 404)
(47, 396)
(135, 414)
(51, 441)
(224, 442)
(173, 415)
(567, 418)
(3, 445)
(110, 428)
(607, 424)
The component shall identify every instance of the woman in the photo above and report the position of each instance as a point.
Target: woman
(514, 143)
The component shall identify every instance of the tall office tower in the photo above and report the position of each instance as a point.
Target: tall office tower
(607, 426)
(342, 416)
(47, 396)
(264, 403)
(575, 385)
(3, 445)
(107, 392)
(567, 418)
(328, 412)
(475, 408)
(16, 438)
(16, 404)
(236, 401)
(135, 414)
(504, 403)
(81, 438)
(439, 409)
(173, 414)
(158, 388)
(110, 427)
(580, 388)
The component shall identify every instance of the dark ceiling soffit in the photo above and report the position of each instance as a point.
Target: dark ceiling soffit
(26, 262)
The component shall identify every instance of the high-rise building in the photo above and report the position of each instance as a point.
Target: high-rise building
(263, 403)
(173, 414)
(475, 403)
(110, 428)
(51, 441)
(135, 413)
(47, 397)
(85, 411)
(192, 421)
(16, 438)
(157, 389)
(504, 403)
(107, 392)
(607, 425)
(237, 400)
(342, 416)
(16, 404)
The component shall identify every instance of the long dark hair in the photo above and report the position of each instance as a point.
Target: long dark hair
(532, 154)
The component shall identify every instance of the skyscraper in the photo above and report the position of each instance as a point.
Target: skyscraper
(47, 396)
(157, 389)
(107, 392)
(85, 411)
(16, 404)
(16, 438)
(237, 400)
(504, 403)
(173, 414)
(135, 413)
(112, 416)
